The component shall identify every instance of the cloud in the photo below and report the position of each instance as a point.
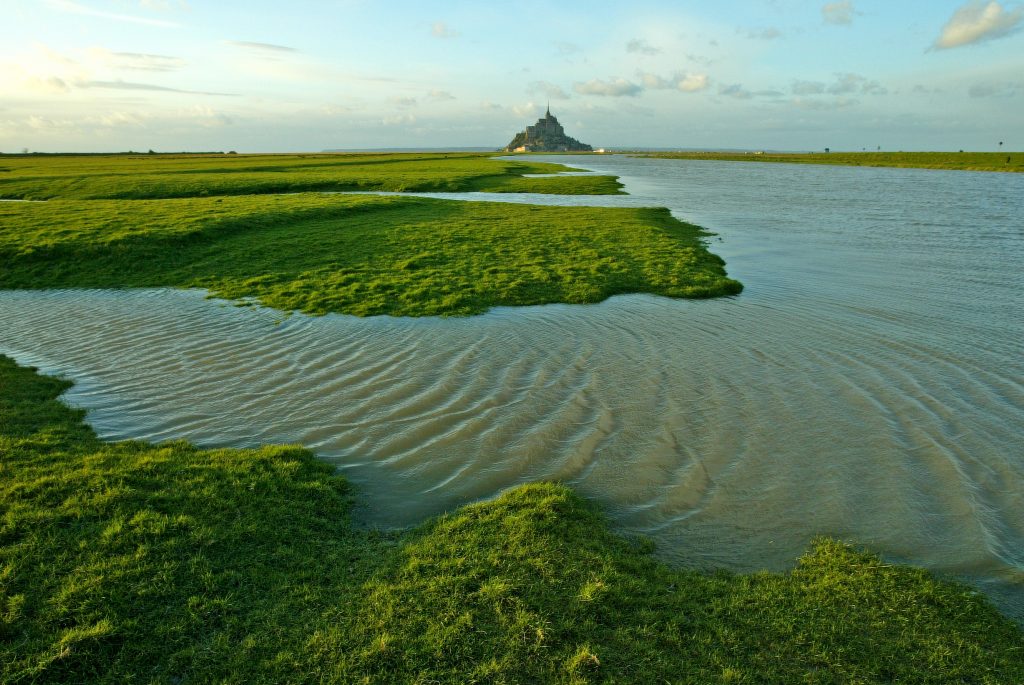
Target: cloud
(404, 102)
(618, 88)
(46, 84)
(440, 95)
(441, 30)
(700, 59)
(735, 90)
(641, 46)
(529, 109)
(768, 33)
(549, 89)
(691, 83)
(978, 21)
(128, 85)
(818, 104)
(75, 8)
(687, 83)
(839, 13)
(567, 48)
(996, 90)
(399, 120)
(261, 47)
(113, 119)
(855, 83)
(137, 61)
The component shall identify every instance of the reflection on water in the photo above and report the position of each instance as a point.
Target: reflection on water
(869, 382)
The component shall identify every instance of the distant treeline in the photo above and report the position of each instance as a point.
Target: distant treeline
(110, 154)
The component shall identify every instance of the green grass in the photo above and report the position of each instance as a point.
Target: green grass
(362, 255)
(965, 161)
(137, 177)
(137, 563)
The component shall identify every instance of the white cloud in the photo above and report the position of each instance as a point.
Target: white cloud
(75, 8)
(641, 46)
(687, 83)
(114, 119)
(618, 88)
(653, 81)
(48, 84)
(529, 109)
(549, 89)
(691, 83)
(129, 85)
(978, 21)
(136, 61)
(838, 12)
(440, 95)
(442, 30)
(404, 102)
(261, 47)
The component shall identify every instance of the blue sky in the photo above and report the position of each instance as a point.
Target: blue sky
(100, 75)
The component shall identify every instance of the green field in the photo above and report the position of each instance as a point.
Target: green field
(137, 177)
(216, 227)
(137, 563)
(964, 161)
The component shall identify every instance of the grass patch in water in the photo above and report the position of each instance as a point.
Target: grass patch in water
(132, 562)
(362, 255)
(134, 177)
(963, 161)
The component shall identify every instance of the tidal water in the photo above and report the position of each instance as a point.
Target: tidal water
(867, 384)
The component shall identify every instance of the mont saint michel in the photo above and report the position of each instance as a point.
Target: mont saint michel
(547, 135)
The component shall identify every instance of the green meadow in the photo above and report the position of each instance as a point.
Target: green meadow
(222, 224)
(963, 161)
(131, 562)
(137, 177)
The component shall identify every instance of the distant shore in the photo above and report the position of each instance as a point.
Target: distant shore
(959, 161)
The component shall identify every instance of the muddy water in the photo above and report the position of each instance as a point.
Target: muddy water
(868, 383)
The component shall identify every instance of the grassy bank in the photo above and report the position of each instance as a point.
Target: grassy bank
(964, 161)
(360, 255)
(137, 177)
(131, 562)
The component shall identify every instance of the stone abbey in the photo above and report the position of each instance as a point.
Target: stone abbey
(547, 135)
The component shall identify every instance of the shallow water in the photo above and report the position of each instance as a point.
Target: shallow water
(868, 383)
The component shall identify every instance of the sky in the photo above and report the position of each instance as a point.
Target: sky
(303, 75)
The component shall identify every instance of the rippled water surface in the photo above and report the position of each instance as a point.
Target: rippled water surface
(868, 383)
